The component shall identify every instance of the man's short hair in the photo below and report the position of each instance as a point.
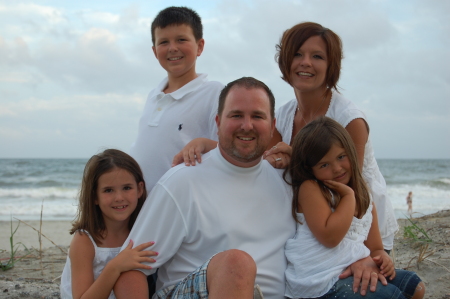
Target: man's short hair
(174, 15)
(248, 83)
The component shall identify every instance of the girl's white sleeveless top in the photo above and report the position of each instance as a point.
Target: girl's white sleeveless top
(102, 257)
(313, 268)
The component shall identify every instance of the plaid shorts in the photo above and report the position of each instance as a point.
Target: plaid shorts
(192, 286)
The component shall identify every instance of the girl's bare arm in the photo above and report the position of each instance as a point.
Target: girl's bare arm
(82, 254)
(375, 245)
(328, 227)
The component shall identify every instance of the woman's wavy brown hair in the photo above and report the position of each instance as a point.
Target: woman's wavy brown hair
(295, 37)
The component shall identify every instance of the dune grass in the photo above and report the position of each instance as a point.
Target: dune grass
(13, 258)
(9, 263)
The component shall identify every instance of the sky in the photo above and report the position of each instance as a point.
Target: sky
(74, 75)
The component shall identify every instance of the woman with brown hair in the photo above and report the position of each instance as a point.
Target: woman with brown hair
(309, 56)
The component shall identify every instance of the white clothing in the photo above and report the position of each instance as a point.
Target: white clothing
(170, 121)
(314, 268)
(344, 111)
(102, 256)
(193, 213)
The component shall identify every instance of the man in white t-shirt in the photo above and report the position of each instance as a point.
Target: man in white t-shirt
(220, 227)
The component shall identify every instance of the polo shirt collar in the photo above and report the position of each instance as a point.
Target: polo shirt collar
(184, 90)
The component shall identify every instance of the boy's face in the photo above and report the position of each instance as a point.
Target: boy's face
(176, 49)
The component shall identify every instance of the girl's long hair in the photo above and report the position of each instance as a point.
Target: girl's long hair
(89, 216)
(310, 145)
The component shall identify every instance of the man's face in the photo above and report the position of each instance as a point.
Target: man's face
(245, 127)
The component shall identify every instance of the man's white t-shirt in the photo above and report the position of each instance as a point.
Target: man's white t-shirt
(195, 212)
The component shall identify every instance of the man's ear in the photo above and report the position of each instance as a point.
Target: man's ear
(154, 51)
(217, 120)
(274, 122)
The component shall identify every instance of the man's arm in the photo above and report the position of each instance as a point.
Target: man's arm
(160, 221)
(131, 284)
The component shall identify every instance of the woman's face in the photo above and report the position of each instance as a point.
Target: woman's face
(309, 67)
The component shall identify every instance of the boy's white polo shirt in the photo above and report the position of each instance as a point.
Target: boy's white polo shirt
(164, 100)
(170, 121)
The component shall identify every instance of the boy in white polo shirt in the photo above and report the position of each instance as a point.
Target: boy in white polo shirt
(184, 105)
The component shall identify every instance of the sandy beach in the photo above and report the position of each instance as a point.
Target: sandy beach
(37, 274)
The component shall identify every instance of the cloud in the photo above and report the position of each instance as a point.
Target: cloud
(92, 55)
(77, 76)
(14, 53)
(77, 125)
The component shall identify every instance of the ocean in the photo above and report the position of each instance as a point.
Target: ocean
(29, 185)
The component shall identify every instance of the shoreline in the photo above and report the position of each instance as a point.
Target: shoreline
(37, 275)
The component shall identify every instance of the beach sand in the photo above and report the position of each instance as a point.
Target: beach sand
(37, 276)
(57, 231)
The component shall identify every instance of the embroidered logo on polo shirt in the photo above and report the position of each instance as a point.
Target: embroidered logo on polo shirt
(180, 126)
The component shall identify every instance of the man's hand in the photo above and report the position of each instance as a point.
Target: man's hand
(364, 271)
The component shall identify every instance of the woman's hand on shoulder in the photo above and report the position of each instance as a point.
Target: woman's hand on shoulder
(384, 262)
(279, 156)
(193, 151)
(133, 258)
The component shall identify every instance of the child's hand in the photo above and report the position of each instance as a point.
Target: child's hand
(279, 156)
(342, 189)
(133, 258)
(193, 151)
(384, 262)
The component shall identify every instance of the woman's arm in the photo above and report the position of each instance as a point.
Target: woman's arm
(82, 254)
(359, 132)
(328, 227)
